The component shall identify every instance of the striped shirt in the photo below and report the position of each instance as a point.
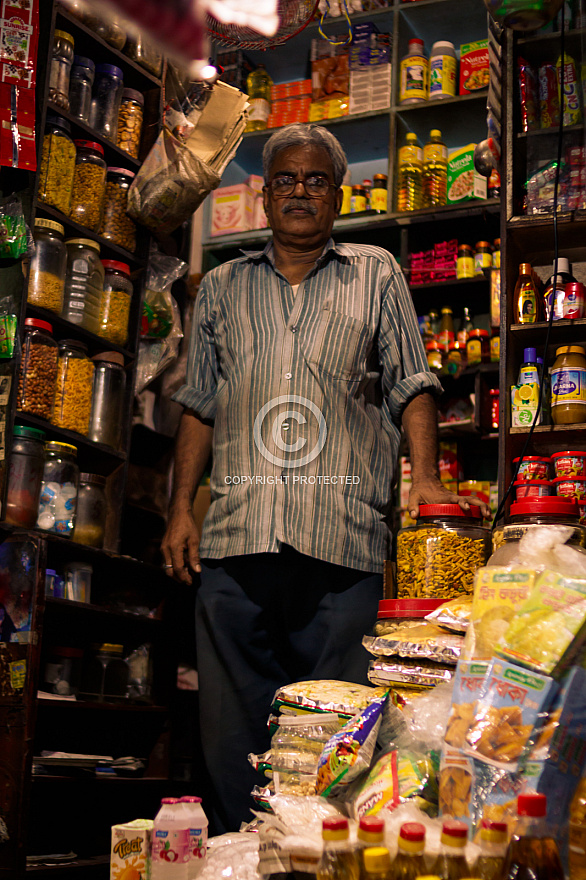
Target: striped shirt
(306, 392)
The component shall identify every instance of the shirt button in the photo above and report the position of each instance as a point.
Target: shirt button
(285, 426)
(288, 375)
(293, 329)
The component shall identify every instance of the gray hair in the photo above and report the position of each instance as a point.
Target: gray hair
(302, 135)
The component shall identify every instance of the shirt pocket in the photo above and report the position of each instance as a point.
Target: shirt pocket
(339, 346)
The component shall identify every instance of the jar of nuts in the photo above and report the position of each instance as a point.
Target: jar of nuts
(46, 278)
(38, 369)
(84, 282)
(115, 301)
(89, 178)
(61, 61)
(117, 226)
(73, 391)
(57, 165)
(130, 121)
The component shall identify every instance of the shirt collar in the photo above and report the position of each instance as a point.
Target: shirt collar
(341, 251)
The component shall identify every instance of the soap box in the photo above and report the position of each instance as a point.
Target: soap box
(232, 208)
(131, 850)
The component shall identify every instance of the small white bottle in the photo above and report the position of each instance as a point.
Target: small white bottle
(198, 834)
(170, 842)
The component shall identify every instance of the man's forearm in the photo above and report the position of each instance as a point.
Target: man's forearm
(420, 425)
(192, 451)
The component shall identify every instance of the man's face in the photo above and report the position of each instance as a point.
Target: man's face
(299, 218)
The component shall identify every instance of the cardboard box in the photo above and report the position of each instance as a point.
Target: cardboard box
(474, 68)
(131, 849)
(232, 209)
(524, 400)
(259, 218)
(464, 181)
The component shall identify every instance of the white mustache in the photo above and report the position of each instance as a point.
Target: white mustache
(299, 204)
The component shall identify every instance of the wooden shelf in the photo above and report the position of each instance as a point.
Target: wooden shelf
(64, 329)
(553, 430)
(103, 459)
(480, 95)
(97, 706)
(451, 282)
(86, 608)
(97, 866)
(75, 229)
(114, 155)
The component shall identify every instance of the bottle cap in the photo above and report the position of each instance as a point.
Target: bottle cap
(28, 433)
(454, 833)
(53, 119)
(563, 265)
(133, 95)
(38, 324)
(435, 133)
(493, 832)
(169, 800)
(372, 824)
(110, 70)
(446, 310)
(411, 137)
(89, 145)
(525, 269)
(114, 264)
(190, 799)
(111, 357)
(81, 61)
(570, 349)
(42, 223)
(449, 510)
(412, 837)
(57, 446)
(377, 860)
(416, 46)
(84, 242)
(442, 44)
(94, 479)
(546, 505)
(529, 355)
(533, 805)
(63, 35)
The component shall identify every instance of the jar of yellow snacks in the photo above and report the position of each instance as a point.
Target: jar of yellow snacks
(73, 391)
(438, 556)
(115, 307)
(46, 278)
(57, 165)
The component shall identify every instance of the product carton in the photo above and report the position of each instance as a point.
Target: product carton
(130, 855)
(464, 181)
(524, 401)
(232, 208)
(474, 68)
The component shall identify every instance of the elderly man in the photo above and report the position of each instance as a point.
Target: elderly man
(305, 363)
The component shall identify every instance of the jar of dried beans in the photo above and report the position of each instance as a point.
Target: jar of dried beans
(57, 165)
(117, 226)
(89, 178)
(48, 264)
(73, 391)
(38, 369)
(130, 121)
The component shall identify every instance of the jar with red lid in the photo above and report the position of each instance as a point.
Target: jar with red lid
(571, 487)
(38, 369)
(533, 513)
(115, 305)
(569, 464)
(393, 613)
(439, 555)
(533, 467)
(89, 179)
(478, 347)
(434, 356)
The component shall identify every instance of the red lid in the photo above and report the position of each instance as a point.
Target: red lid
(416, 40)
(408, 607)
(372, 824)
(567, 479)
(495, 826)
(40, 325)
(189, 798)
(448, 510)
(454, 346)
(121, 171)
(532, 805)
(580, 454)
(550, 505)
(90, 145)
(169, 800)
(575, 287)
(533, 482)
(478, 333)
(432, 346)
(494, 392)
(531, 457)
(336, 823)
(414, 831)
(454, 828)
(65, 651)
(114, 264)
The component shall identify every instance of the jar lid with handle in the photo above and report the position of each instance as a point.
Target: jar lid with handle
(28, 433)
(111, 357)
(59, 447)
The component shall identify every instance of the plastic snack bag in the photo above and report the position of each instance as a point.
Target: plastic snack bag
(13, 229)
(343, 697)
(400, 775)
(417, 639)
(453, 615)
(498, 592)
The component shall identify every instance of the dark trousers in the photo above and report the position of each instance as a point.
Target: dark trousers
(262, 621)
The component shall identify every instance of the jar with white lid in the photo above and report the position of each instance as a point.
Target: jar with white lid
(296, 747)
(442, 70)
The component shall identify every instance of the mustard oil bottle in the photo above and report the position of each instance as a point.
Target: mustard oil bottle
(410, 177)
(451, 862)
(493, 846)
(435, 171)
(532, 853)
(409, 862)
(258, 86)
(371, 833)
(377, 863)
(338, 861)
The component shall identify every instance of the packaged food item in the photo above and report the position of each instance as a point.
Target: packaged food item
(574, 301)
(417, 639)
(345, 698)
(571, 109)
(534, 467)
(569, 464)
(296, 747)
(409, 673)
(571, 487)
(398, 776)
(131, 848)
(498, 593)
(442, 70)
(394, 613)
(533, 488)
(468, 683)
(456, 785)
(549, 102)
(453, 615)
(474, 67)
(528, 96)
(13, 228)
(464, 182)
(414, 86)
(568, 385)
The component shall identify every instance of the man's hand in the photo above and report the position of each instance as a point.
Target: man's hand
(180, 545)
(430, 490)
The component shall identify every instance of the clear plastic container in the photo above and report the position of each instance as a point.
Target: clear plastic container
(296, 747)
(57, 502)
(84, 284)
(89, 180)
(55, 178)
(92, 508)
(63, 670)
(107, 673)
(46, 279)
(73, 392)
(439, 555)
(80, 87)
(78, 576)
(130, 121)
(109, 28)
(25, 475)
(61, 61)
(535, 512)
(144, 53)
(38, 369)
(106, 95)
(109, 396)
(117, 226)
(115, 302)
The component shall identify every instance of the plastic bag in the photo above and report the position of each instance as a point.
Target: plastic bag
(170, 184)
(139, 686)
(417, 639)
(343, 697)
(233, 856)
(453, 615)
(13, 229)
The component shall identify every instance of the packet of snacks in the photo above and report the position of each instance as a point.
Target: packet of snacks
(453, 615)
(498, 592)
(343, 697)
(417, 639)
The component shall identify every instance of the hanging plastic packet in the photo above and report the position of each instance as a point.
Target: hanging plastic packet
(13, 230)
(391, 671)
(528, 96)
(400, 775)
(8, 327)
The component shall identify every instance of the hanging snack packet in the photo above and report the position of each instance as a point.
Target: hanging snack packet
(498, 592)
(13, 237)
(390, 671)
(399, 775)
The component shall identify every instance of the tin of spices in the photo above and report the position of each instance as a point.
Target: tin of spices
(482, 256)
(465, 262)
(89, 177)
(130, 121)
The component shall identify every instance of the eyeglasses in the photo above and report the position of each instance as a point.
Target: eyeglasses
(284, 185)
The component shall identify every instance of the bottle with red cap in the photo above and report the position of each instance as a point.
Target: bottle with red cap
(533, 853)
(493, 846)
(370, 833)
(409, 862)
(338, 860)
(451, 862)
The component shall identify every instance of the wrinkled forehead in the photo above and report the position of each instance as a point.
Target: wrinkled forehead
(306, 159)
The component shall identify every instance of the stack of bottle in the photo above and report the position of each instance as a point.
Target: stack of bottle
(449, 352)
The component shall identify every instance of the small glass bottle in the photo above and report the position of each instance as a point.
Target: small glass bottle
(358, 199)
(526, 297)
(482, 256)
(466, 326)
(451, 862)
(80, 88)
(59, 489)
(338, 861)
(25, 475)
(409, 862)
(532, 851)
(493, 846)
(258, 86)
(46, 279)
(61, 61)
(379, 194)
(92, 508)
(465, 262)
(446, 333)
(89, 179)
(478, 347)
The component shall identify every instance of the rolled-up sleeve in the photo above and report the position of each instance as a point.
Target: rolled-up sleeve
(199, 391)
(405, 372)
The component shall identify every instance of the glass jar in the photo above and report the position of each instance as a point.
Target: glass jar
(25, 474)
(144, 53)
(358, 199)
(130, 121)
(478, 347)
(84, 284)
(109, 29)
(296, 747)
(90, 520)
(57, 165)
(78, 575)
(434, 356)
(109, 395)
(89, 178)
(465, 262)
(107, 673)
(106, 95)
(57, 502)
(48, 264)
(379, 194)
(73, 391)
(63, 670)
(115, 302)
(495, 346)
(61, 61)
(439, 555)
(38, 369)
(117, 226)
(535, 512)
(394, 613)
(496, 254)
(482, 256)
(80, 88)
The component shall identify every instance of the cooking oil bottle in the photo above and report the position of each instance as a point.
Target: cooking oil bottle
(377, 863)
(409, 862)
(577, 841)
(410, 192)
(493, 846)
(258, 86)
(451, 862)
(532, 854)
(435, 171)
(370, 833)
(338, 861)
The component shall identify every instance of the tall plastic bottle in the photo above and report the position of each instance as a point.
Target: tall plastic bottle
(377, 863)
(338, 861)
(410, 192)
(526, 297)
(435, 171)
(170, 849)
(532, 852)
(409, 862)
(414, 86)
(442, 71)
(198, 834)
(451, 862)
(258, 86)
(370, 833)
(493, 846)
(577, 836)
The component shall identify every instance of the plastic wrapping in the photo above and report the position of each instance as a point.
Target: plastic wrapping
(400, 775)
(296, 747)
(453, 615)
(231, 856)
(498, 593)
(343, 697)
(13, 229)
(411, 673)
(417, 639)
(262, 763)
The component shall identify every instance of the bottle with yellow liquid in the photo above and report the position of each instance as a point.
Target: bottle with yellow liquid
(377, 863)
(493, 845)
(435, 171)
(410, 177)
(577, 836)
(409, 862)
(532, 852)
(258, 86)
(451, 862)
(338, 861)
(370, 833)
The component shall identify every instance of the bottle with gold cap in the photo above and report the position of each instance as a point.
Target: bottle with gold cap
(377, 863)
(410, 183)
(370, 833)
(435, 171)
(493, 846)
(526, 298)
(451, 862)
(338, 861)
(409, 862)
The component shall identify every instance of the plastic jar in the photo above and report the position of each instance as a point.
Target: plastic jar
(117, 226)
(532, 513)
(144, 53)
(571, 487)
(533, 467)
(358, 199)
(109, 29)
(379, 194)
(38, 369)
(89, 179)
(80, 88)
(59, 489)
(57, 165)
(130, 121)
(442, 70)
(25, 474)
(393, 613)
(533, 489)
(90, 520)
(61, 61)
(296, 747)
(482, 256)
(414, 77)
(73, 391)
(573, 305)
(495, 346)
(63, 670)
(108, 399)
(569, 464)
(465, 262)
(116, 299)
(46, 278)
(568, 386)
(439, 555)
(106, 95)
(107, 673)
(78, 576)
(478, 347)
(84, 283)
(53, 583)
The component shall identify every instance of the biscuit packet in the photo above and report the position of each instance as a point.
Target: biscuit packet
(453, 615)
(408, 673)
(326, 695)
(498, 592)
(417, 639)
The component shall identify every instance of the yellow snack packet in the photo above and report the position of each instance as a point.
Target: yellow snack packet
(498, 592)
